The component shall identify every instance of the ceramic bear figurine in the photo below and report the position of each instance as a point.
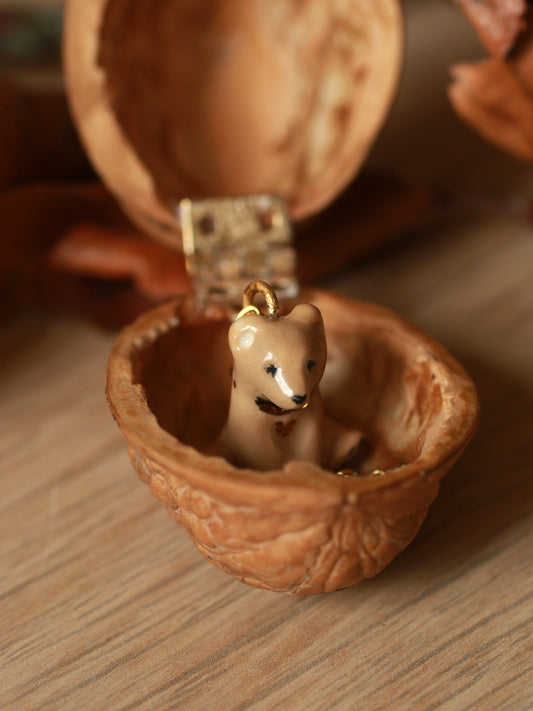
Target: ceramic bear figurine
(275, 412)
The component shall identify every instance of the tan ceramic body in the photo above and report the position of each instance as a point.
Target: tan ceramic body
(299, 528)
(263, 440)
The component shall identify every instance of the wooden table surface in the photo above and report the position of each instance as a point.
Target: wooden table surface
(106, 604)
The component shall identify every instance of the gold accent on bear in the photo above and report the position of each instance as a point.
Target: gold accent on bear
(259, 287)
(354, 472)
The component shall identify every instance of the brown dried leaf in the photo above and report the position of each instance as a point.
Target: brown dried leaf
(497, 22)
(495, 96)
(521, 60)
(157, 271)
(489, 96)
(57, 252)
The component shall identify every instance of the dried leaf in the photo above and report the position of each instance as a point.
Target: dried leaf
(157, 271)
(497, 22)
(489, 97)
(57, 252)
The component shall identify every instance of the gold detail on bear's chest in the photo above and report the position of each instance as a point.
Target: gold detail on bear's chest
(284, 429)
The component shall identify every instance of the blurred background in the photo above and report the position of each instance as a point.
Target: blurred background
(421, 126)
(30, 36)
(423, 146)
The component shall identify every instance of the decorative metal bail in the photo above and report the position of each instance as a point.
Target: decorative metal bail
(259, 287)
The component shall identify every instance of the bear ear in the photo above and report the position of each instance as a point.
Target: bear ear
(309, 316)
(242, 333)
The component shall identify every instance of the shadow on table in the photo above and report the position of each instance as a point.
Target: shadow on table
(487, 491)
(20, 340)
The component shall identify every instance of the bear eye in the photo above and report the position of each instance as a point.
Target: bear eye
(272, 370)
(310, 364)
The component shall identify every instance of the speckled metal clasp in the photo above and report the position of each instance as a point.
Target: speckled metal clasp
(229, 242)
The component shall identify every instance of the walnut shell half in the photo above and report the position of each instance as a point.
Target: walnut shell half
(301, 529)
(181, 99)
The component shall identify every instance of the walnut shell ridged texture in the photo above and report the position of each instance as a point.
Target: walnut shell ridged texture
(210, 98)
(301, 529)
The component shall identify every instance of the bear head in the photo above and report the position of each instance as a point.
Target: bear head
(279, 361)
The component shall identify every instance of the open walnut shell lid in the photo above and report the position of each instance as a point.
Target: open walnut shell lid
(177, 99)
(301, 529)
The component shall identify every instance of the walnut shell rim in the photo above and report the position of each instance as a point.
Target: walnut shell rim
(301, 529)
(214, 98)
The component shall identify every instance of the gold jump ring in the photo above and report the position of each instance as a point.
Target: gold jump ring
(259, 287)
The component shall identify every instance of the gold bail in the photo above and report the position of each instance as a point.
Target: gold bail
(230, 242)
(259, 287)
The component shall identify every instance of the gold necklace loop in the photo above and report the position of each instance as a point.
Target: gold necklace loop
(259, 287)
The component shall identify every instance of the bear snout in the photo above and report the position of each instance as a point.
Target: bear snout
(299, 399)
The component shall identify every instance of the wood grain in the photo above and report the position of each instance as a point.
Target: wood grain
(105, 603)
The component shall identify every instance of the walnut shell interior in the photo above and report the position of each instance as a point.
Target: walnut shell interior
(210, 98)
(301, 529)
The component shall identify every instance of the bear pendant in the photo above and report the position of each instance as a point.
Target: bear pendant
(278, 362)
